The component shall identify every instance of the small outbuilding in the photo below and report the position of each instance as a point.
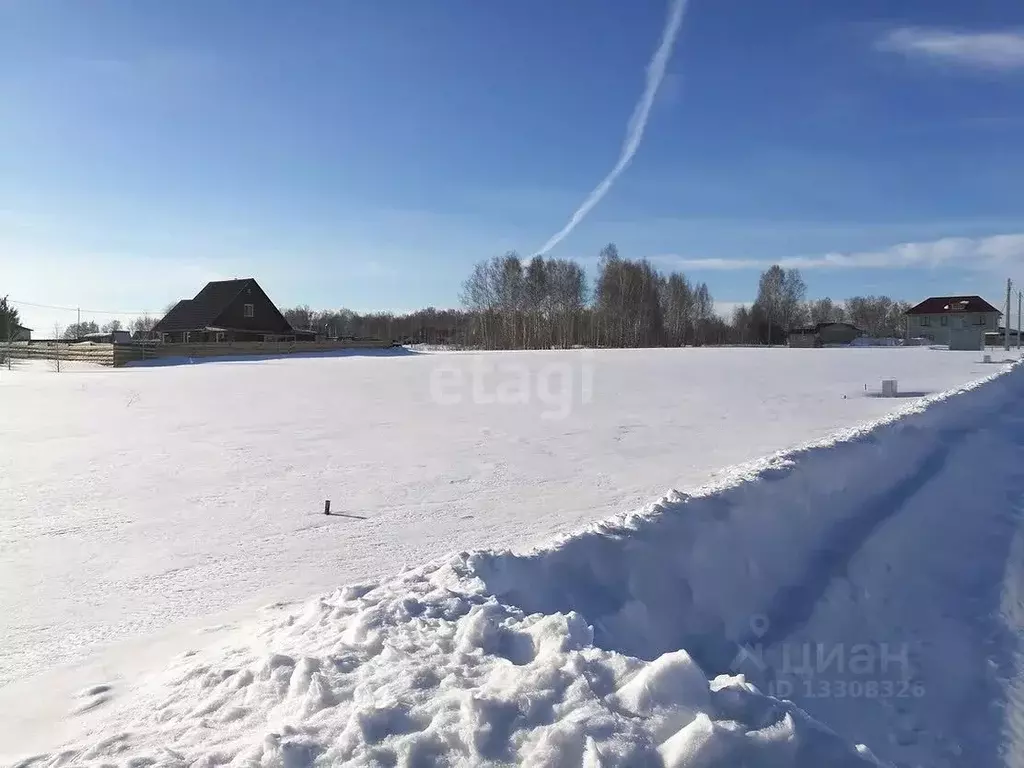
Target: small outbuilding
(109, 337)
(824, 335)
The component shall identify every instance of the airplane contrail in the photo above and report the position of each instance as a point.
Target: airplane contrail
(637, 122)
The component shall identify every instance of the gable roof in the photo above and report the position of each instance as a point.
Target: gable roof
(939, 305)
(219, 294)
(851, 326)
(816, 328)
(181, 317)
(203, 310)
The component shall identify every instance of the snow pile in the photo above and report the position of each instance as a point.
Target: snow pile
(427, 670)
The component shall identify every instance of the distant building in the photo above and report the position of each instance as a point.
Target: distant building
(227, 310)
(960, 322)
(109, 337)
(997, 338)
(824, 334)
(21, 333)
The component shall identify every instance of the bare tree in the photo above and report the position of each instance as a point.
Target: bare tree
(879, 316)
(8, 320)
(56, 346)
(509, 285)
(704, 312)
(78, 330)
(769, 304)
(677, 309)
(479, 298)
(629, 301)
(300, 318)
(794, 289)
(142, 326)
(825, 311)
(742, 325)
(567, 298)
(537, 304)
(609, 298)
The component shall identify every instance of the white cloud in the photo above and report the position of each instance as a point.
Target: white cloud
(994, 252)
(724, 309)
(671, 261)
(1002, 50)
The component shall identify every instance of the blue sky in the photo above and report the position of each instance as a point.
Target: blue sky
(367, 153)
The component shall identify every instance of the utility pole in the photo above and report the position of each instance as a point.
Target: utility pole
(1006, 325)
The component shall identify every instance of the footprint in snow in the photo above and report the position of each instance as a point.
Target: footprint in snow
(91, 698)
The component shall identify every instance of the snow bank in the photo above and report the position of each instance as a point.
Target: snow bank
(631, 643)
(852, 575)
(426, 671)
(695, 570)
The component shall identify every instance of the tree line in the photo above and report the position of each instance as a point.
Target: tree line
(781, 306)
(138, 327)
(509, 302)
(513, 303)
(9, 319)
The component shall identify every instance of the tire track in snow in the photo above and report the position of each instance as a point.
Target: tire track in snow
(938, 581)
(794, 604)
(1013, 611)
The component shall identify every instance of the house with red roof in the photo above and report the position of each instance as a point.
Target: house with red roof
(960, 322)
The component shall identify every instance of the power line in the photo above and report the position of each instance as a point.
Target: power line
(81, 309)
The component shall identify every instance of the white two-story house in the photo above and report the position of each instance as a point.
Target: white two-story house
(959, 321)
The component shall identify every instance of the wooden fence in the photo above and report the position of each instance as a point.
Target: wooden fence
(101, 354)
(122, 354)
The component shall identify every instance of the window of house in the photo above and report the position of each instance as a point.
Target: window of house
(220, 336)
(187, 336)
(945, 320)
(248, 310)
(926, 321)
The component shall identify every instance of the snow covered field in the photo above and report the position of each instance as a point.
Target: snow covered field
(140, 505)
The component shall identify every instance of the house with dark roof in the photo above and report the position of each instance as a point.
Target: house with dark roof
(824, 334)
(226, 310)
(960, 322)
(21, 333)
